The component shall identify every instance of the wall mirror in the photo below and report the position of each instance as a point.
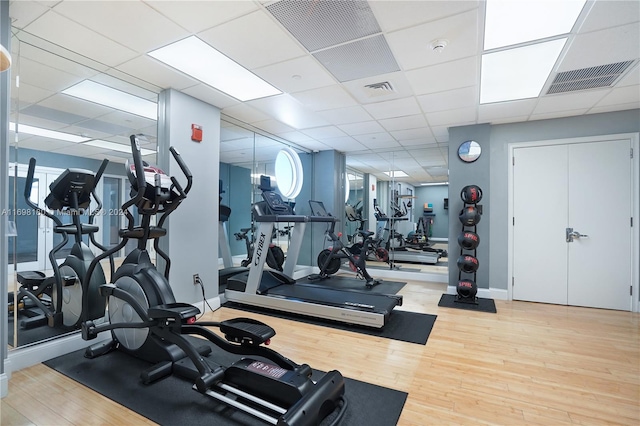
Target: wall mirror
(469, 151)
(53, 121)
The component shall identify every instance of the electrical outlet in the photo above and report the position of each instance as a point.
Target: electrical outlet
(196, 279)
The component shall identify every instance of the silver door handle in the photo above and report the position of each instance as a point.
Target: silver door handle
(571, 234)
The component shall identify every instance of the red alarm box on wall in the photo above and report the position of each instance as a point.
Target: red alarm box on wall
(196, 133)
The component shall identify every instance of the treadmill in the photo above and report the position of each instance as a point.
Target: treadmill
(276, 290)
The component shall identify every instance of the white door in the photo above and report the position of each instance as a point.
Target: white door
(586, 187)
(600, 206)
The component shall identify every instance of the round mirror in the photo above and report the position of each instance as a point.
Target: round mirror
(288, 172)
(469, 151)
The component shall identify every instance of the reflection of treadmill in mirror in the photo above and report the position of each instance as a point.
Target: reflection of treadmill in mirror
(278, 291)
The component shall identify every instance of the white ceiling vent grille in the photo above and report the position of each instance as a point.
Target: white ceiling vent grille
(359, 59)
(588, 78)
(379, 89)
(324, 23)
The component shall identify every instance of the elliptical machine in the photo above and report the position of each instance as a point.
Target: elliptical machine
(147, 322)
(71, 295)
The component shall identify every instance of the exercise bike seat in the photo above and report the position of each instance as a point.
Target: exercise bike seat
(366, 234)
(247, 331)
(138, 232)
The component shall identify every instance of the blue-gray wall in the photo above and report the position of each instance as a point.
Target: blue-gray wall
(52, 159)
(192, 230)
(490, 172)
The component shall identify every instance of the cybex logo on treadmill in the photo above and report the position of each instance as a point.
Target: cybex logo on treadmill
(260, 247)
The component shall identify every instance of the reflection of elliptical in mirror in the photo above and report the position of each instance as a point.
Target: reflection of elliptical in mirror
(288, 170)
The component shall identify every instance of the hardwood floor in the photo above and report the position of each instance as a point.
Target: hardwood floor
(528, 364)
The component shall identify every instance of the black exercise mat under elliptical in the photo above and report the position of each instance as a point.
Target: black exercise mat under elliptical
(172, 401)
(405, 326)
(484, 305)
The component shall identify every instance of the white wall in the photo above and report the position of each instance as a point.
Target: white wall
(192, 233)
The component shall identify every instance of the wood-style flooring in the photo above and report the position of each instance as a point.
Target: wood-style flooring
(528, 364)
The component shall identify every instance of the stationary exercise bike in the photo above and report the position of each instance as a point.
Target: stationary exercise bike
(330, 259)
(147, 322)
(67, 298)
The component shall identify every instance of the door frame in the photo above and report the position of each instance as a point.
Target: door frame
(635, 190)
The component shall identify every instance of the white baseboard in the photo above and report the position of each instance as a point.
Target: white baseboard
(485, 293)
(211, 305)
(31, 355)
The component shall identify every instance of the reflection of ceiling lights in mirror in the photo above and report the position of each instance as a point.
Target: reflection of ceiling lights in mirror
(396, 174)
(52, 134)
(104, 95)
(434, 183)
(114, 146)
(199, 60)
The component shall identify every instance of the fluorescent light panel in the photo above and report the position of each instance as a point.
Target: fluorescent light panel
(52, 134)
(518, 73)
(396, 174)
(197, 59)
(114, 146)
(512, 22)
(434, 183)
(108, 96)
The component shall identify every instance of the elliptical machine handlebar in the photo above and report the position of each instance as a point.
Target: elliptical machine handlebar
(27, 194)
(184, 168)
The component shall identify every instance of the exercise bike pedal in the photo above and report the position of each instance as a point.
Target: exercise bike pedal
(247, 331)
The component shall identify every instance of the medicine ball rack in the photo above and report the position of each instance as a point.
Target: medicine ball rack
(468, 240)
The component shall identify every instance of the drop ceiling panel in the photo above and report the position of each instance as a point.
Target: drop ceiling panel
(77, 107)
(362, 128)
(288, 110)
(55, 61)
(569, 101)
(343, 144)
(130, 23)
(378, 139)
(52, 114)
(413, 143)
(346, 115)
(447, 76)
(412, 46)
(42, 122)
(632, 78)
(29, 94)
(595, 48)
(45, 77)
(451, 99)
(23, 13)
(558, 114)
(402, 123)
(423, 133)
(80, 150)
(612, 108)
(40, 143)
(295, 137)
(211, 96)
(488, 113)
(330, 97)
(80, 39)
(265, 44)
(197, 16)
(457, 117)
(605, 14)
(245, 113)
(125, 119)
(157, 73)
(395, 108)
(296, 75)
(273, 126)
(621, 96)
(104, 127)
(395, 15)
(326, 132)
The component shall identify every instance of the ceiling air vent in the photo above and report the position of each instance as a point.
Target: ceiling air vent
(588, 78)
(379, 89)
